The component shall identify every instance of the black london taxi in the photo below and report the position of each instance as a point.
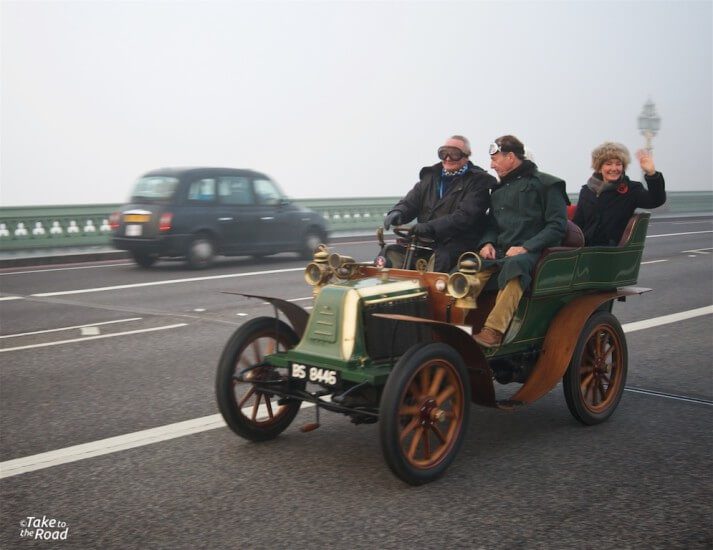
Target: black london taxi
(198, 213)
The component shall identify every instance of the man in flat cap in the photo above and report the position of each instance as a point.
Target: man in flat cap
(449, 204)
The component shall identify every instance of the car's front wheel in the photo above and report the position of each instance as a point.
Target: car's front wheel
(423, 414)
(247, 406)
(201, 252)
(311, 240)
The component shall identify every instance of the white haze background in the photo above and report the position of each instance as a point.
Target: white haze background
(341, 99)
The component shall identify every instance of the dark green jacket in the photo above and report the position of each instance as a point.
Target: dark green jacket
(529, 209)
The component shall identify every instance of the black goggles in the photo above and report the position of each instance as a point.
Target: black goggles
(450, 152)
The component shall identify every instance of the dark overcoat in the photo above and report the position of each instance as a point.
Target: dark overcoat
(528, 209)
(460, 214)
(603, 218)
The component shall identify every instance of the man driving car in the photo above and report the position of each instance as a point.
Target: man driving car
(449, 203)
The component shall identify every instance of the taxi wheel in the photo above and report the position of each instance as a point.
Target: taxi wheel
(596, 376)
(424, 410)
(253, 413)
(311, 240)
(201, 252)
(143, 260)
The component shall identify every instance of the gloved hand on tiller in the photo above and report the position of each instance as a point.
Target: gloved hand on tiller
(392, 218)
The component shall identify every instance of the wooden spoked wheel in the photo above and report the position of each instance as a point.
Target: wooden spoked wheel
(249, 408)
(424, 412)
(595, 379)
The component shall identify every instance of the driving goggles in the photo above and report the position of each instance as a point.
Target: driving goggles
(496, 148)
(450, 152)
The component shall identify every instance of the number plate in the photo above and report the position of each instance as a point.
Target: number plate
(136, 218)
(316, 375)
(133, 230)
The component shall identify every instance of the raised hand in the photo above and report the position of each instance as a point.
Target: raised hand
(646, 161)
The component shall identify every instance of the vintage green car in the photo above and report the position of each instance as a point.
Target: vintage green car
(395, 346)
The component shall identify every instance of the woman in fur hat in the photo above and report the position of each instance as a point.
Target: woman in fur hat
(610, 198)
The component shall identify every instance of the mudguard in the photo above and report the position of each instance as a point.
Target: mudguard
(481, 377)
(560, 341)
(295, 314)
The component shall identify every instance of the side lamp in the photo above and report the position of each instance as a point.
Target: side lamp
(463, 285)
(342, 266)
(318, 272)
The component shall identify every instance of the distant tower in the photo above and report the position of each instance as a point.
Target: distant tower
(649, 123)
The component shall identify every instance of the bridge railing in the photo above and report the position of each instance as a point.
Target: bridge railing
(24, 228)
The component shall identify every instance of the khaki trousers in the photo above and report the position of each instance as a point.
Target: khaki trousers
(505, 302)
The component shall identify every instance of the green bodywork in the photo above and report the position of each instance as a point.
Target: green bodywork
(334, 336)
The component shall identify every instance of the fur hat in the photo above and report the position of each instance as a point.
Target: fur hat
(607, 151)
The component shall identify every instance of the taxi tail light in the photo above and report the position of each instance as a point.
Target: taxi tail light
(164, 222)
(114, 219)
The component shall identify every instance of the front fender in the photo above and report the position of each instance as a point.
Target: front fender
(295, 314)
(481, 377)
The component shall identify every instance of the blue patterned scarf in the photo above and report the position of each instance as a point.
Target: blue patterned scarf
(447, 176)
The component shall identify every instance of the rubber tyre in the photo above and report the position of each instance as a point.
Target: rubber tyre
(143, 260)
(422, 420)
(201, 252)
(596, 376)
(311, 240)
(238, 402)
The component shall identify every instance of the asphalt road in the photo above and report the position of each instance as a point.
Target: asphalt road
(138, 367)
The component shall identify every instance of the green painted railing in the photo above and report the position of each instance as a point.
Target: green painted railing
(24, 228)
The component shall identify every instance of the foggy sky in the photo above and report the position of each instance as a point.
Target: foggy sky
(341, 99)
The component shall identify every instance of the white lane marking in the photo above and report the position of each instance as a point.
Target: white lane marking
(653, 262)
(119, 443)
(698, 250)
(61, 342)
(70, 328)
(678, 234)
(109, 445)
(7, 298)
(62, 269)
(666, 319)
(179, 429)
(167, 282)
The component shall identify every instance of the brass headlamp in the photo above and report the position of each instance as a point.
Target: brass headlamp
(341, 265)
(463, 285)
(318, 272)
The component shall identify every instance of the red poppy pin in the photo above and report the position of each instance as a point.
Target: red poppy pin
(623, 188)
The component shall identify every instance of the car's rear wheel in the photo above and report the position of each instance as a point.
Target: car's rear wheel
(423, 414)
(201, 252)
(144, 259)
(250, 410)
(596, 376)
